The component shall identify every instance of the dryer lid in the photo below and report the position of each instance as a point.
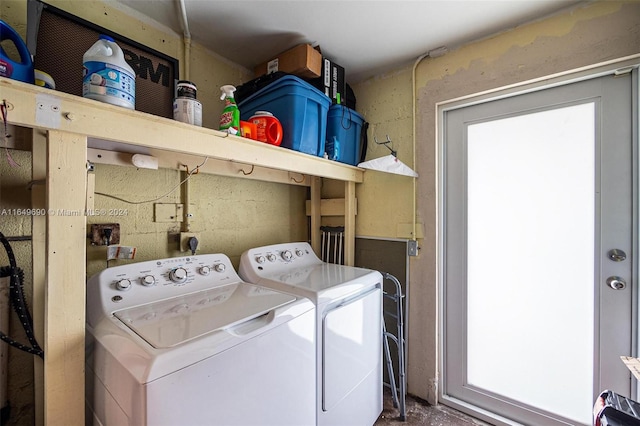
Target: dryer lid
(323, 281)
(170, 322)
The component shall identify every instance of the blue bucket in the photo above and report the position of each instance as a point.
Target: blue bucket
(23, 70)
(344, 127)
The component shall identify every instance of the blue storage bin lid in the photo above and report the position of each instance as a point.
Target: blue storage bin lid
(289, 80)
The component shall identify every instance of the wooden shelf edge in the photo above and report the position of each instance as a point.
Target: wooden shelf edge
(35, 107)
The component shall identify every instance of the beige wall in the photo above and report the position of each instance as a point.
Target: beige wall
(586, 35)
(15, 196)
(230, 215)
(385, 201)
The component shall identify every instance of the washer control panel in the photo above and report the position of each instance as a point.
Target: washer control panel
(277, 258)
(124, 286)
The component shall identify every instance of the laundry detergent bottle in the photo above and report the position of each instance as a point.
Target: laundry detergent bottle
(230, 118)
(23, 70)
(107, 77)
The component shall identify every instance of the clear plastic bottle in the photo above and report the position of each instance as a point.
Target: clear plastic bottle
(107, 77)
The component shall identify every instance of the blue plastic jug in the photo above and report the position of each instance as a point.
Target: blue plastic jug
(22, 70)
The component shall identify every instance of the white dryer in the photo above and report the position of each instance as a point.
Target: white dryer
(348, 326)
(183, 341)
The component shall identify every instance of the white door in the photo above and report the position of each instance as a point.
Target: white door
(538, 236)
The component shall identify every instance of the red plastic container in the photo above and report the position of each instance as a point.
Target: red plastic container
(269, 129)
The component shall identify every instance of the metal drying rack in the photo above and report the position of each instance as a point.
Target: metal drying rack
(399, 391)
(331, 244)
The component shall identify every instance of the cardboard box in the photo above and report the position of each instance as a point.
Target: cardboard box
(302, 60)
(332, 82)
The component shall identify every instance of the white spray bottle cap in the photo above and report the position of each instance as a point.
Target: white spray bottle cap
(227, 91)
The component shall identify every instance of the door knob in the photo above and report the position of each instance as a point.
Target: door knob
(616, 283)
(617, 255)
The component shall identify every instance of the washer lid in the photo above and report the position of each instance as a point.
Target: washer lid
(323, 281)
(170, 322)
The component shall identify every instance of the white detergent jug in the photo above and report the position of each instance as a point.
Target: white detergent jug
(106, 75)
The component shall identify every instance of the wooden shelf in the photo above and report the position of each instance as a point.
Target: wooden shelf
(35, 107)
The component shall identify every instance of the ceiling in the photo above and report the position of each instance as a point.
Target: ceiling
(365, 37)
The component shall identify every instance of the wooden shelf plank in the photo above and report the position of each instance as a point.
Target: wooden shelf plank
(179, 161)
(35, 107)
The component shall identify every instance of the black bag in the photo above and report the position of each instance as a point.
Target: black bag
(364, 141)
(247, 89)
(350, 98)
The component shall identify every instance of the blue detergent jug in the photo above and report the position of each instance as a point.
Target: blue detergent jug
(22, 70)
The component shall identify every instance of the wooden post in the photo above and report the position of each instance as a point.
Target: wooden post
(66, 277)
(38, 254)
(316, 195)
(349, 223)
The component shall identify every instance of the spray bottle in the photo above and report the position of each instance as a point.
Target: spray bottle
(230, 118)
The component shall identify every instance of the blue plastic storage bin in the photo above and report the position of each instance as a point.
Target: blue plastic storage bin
(344, 127)
(301, 108)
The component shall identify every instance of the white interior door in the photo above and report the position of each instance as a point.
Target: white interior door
(538, 237)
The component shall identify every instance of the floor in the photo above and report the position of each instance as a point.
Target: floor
(419, 412)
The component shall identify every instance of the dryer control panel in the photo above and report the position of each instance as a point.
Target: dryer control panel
(139, 283)
(277, 258)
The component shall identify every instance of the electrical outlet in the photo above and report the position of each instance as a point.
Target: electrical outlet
(98, 237)
(184, 240)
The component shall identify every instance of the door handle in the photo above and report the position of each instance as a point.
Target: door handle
(616, 283)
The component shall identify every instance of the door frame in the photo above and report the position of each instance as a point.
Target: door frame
(613, 67)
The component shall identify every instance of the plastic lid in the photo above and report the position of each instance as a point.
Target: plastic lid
(288, 81)
(106, 37)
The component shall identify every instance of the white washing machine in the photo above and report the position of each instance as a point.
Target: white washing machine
(183, 341)
(348, 326)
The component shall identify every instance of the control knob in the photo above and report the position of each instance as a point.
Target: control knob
(178, 275)
(271, 257)
(299, 253)
(220, 267)
(204, 270)
(287, 255)
(123, 285)
(148, 280)
(260, 259)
